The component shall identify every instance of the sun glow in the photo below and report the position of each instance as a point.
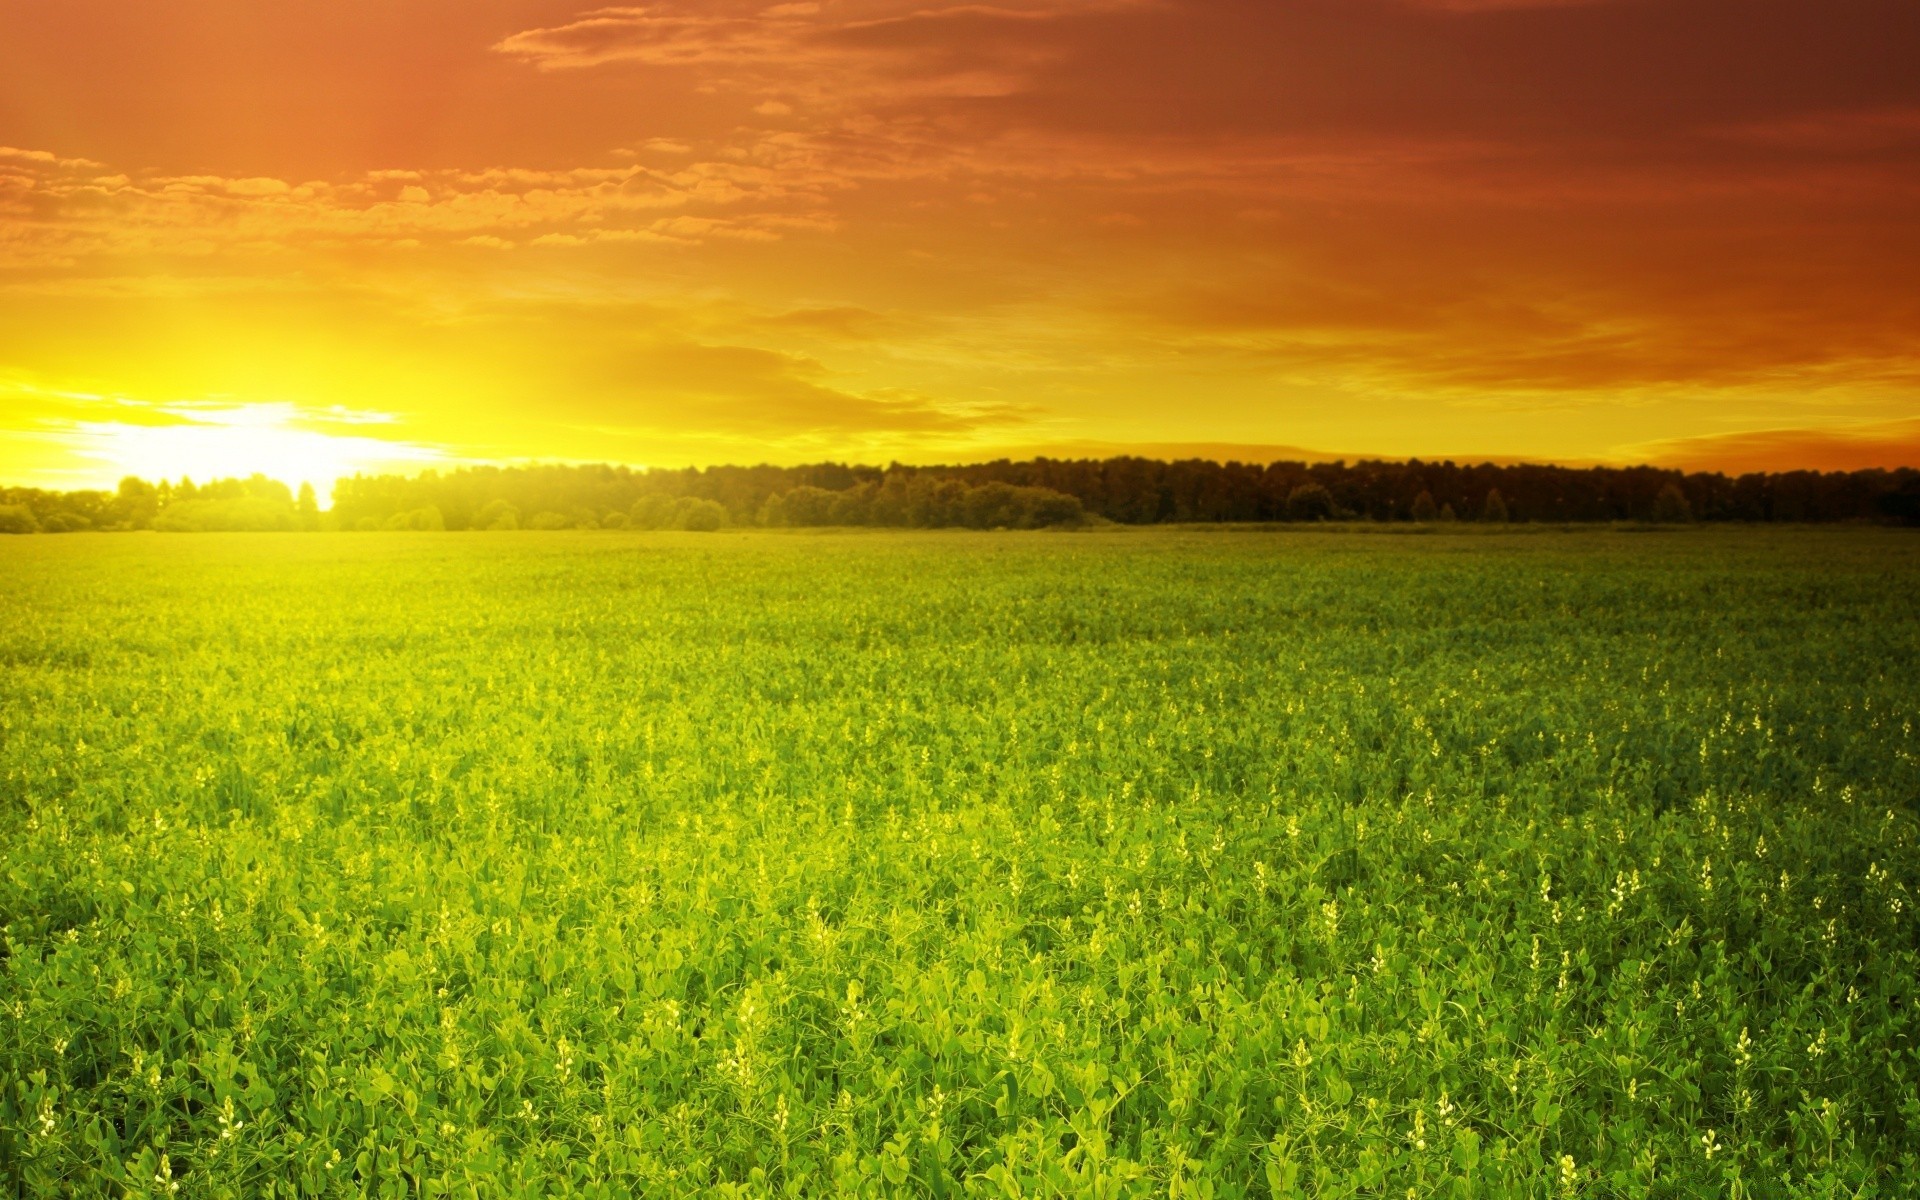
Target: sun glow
(280, 441)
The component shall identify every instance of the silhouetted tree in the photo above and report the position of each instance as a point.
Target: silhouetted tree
(1016, 494)
(1670, 507)
(1310, 502)
(1423, 507)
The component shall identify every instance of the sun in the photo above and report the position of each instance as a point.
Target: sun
(280, 441)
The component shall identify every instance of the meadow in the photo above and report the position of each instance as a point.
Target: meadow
(1190, 864)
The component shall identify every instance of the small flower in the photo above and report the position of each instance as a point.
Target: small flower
(163, 1177)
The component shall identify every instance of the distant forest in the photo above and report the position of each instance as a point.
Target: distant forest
(1003, 494)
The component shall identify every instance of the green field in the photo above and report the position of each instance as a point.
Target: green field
(1191, 864)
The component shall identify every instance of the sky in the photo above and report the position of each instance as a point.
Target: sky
(316, 237)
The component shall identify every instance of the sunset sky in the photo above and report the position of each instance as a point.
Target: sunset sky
(319, 236)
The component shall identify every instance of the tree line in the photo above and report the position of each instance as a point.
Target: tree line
(1002, 494)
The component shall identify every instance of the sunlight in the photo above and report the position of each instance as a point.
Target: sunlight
(276, 440)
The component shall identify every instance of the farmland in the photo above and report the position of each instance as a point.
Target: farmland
(1201, 864)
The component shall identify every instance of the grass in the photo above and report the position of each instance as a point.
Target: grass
(1162, 863)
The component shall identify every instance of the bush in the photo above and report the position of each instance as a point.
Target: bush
(497, 515)
(614, 520)
(700, 516)
(651, 512)
(1423, 507)
(227, 516)
(426, 519)
(852, 506)
(1495, 508)
(549, 520)
(1670, 507)
(1310, 502)
(1048, 507)
(806, 505)
(17, 518)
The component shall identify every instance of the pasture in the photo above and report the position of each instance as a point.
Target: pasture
(1193, 864)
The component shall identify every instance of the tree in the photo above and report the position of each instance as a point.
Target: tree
(701, 516)
(497, 515)
(307, 509)
(1670, 507)
(1423, 507)
(136, 503)
(1310, 502)
(64, 522)
(1495, 508)
(18, 518)
(651, 512)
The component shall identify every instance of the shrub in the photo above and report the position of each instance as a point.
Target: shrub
(1495, 508)
(497, 514)
(1423, 506)
(851, 507)
(700, 516)
(426, 519)
(227, 516)
(1310, 502)
(651, 512)
(17, 518)
(1670, 507)
(549, 520)
(806, 505)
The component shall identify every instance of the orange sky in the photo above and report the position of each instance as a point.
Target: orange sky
(324, 235)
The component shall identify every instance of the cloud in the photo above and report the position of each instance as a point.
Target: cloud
(1885, 444)
(56, 211)
(1490, 6)
(679, 386)
(844, 322)
(661, 37)
(880, 51)
(1852, 131)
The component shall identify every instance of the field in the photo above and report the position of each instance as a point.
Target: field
(1190, 864)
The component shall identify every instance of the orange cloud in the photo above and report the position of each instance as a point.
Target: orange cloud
(1884, 445)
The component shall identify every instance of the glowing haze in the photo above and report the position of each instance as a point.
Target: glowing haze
(320, 236)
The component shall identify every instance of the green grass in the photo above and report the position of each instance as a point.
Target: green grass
(1229, 864)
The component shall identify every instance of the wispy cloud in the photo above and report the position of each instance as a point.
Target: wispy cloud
(1885, 444)
(56, 211)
